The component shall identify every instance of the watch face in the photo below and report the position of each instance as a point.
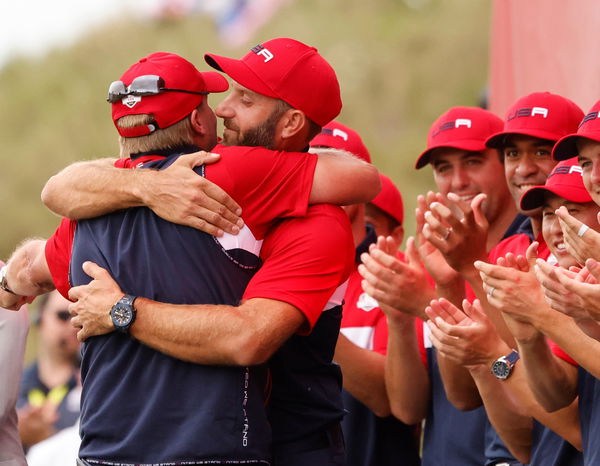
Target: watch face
(121, 316)
(501, 370)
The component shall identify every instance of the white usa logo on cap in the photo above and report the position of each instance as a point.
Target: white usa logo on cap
(131, 100)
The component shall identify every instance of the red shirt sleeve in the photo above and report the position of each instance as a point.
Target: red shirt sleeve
(305, 260)
(58, 255)
(559, 352)
(380, 335)
(421, 340)
(267, 184)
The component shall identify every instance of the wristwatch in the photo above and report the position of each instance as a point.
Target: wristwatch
(123, 313)
(3, 284)
(503, 366)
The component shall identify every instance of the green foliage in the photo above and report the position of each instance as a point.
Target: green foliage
(399, 69)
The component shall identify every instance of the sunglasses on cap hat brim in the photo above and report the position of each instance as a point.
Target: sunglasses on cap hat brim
(142, 86)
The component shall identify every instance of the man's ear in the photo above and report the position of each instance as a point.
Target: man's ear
(293, 122)
(196, 122)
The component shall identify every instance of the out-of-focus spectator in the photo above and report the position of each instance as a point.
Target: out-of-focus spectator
(49, 395)
(386, 212)
(13, 335)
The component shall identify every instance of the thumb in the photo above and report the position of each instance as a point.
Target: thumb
(473, 310)
(532, 254)
(411, 252)
(594, 268)
(476, 207)
(94, 270)
(196, 159)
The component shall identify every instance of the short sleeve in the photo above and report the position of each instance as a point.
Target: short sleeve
(421, 339)
(380, 335)
(305, 260)
(560, 353)
(58, 255)
(267, 184)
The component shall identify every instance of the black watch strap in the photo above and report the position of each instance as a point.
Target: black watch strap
(123, 307)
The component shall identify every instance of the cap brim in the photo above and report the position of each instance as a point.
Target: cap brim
(466, 144)
(240, 73)
(535, 197)
(215, 82)
(498, 140)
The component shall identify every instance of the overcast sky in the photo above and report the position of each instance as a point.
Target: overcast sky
(32, 26)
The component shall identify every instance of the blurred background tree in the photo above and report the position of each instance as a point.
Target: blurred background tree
(400, 64)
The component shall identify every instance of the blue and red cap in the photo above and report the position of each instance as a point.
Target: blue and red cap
(589, 128)
(464, 128)
(166, 107)
(340, 136)
(565, 181)
(389, 199)
(540, 115)
(289, 70)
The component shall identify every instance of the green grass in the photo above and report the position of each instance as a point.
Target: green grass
(399, 69)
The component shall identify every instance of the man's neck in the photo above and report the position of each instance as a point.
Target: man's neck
(500, 225)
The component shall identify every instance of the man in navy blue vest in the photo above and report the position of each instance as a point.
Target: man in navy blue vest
(238, 261)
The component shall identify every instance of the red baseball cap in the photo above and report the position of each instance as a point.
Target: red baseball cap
(464, 128)
(166, 107)
(289, 70)
(339, 136)
(541, 115)
(589, 128)
(565, 181)
(389, 199)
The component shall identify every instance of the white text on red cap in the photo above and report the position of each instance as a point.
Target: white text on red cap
(529, 111)
(454, 124)
(260, 50)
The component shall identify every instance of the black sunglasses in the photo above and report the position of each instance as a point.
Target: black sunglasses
(150, 84)
(63, 315)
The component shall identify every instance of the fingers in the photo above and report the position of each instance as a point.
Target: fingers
(494, 271)
(378, 258)
(94, 270)
(445, 215)
(532, 253)
(569, 223)
(412, 254)
(477, 209)
(220, 196)
(195, 159)
(593, 268)
(75, 293)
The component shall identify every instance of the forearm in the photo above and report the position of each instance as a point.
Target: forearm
(453, 291)
(341, 178)
(90, 189)
(552, 382)
(565, 421)
(513, 427)
(406, 377)
(459, 386)
(28, 272)
(364, 375)
(216, 334)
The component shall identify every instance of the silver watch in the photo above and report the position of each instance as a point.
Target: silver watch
(3, 284)
(503, 366)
